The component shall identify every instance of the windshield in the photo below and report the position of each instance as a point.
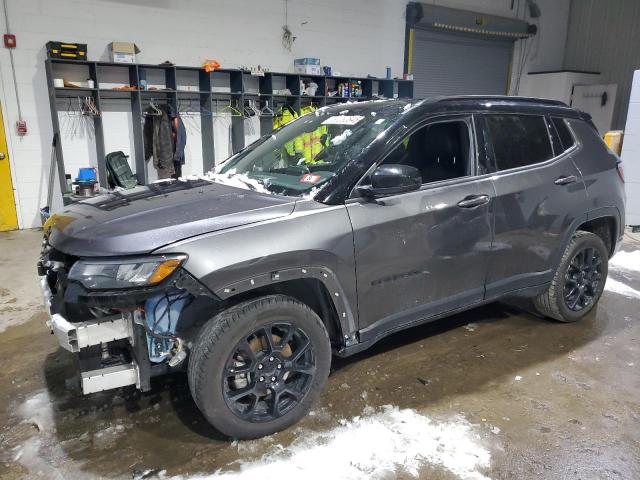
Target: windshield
(309, 150)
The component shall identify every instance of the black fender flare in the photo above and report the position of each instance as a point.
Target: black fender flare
(346, 317)
(594, 214)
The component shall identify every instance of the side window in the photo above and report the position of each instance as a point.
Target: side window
(439, 150)
(519, 140)
(566, 139)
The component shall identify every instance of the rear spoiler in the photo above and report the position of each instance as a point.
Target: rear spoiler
(587, 118)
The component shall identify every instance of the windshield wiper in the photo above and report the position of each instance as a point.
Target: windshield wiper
(251, 187)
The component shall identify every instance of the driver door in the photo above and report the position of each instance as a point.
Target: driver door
(422, 253)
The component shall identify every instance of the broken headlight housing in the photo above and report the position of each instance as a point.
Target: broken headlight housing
(110, 274)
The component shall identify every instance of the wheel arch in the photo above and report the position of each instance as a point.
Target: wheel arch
(605, 227)
(316, 287)
(604, 222)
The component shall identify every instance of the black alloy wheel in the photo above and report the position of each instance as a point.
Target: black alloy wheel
(269, 372)
(259, 366)
(582, 279)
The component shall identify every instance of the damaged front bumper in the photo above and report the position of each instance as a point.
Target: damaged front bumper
(76, 336)
(108, 331)
(73, 337)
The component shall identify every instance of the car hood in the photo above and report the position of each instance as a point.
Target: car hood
(145, 218)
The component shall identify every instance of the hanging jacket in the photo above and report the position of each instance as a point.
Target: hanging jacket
(179, 139)
(158, 142)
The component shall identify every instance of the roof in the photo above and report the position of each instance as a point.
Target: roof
(469, 103)
(497, 103)
(504, 98)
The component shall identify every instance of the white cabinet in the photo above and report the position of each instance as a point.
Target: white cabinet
(557, 85)
(580, 90)
(598, 101)
(631, 153)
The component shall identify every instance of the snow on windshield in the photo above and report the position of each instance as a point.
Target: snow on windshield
(341, 138)
(232, 179)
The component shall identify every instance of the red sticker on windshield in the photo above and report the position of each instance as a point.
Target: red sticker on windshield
(310, 178)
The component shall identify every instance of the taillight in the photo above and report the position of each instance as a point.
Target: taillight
(620, 171)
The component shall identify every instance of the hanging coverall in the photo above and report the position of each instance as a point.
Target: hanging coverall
(313, 140)
(284, 115)
(158, 142)
(307, 136)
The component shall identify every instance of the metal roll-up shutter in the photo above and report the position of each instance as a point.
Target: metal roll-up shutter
(460, 52)
(456, 64)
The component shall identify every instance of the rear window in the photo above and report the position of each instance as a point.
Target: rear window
(566, 139)
(519, 140)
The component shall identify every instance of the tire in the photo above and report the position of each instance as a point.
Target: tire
(221, 348)
(552, 303)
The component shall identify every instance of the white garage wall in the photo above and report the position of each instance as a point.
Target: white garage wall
(355, 37)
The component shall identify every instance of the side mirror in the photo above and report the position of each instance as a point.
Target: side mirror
(391, 180)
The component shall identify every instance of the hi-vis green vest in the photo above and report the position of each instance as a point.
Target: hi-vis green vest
(284, 116)
(312, 141)
(308, 144)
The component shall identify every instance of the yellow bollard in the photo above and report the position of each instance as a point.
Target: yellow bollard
(613, 139)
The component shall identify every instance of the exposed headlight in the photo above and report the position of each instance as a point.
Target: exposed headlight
(125, 272)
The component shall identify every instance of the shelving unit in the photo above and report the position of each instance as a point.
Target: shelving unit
(212, 90)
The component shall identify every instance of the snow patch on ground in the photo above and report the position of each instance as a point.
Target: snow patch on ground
(621, 289)
(37, 410)
(386, 444)
(626, 261)
(42, 454)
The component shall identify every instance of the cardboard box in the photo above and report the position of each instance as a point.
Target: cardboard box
(309, 66)
(307, 61)
(308, 69)
(123, 52)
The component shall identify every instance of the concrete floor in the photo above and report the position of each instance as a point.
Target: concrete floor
(546, 400)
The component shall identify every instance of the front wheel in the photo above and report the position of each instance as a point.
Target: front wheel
(578, 282)
(258, 367)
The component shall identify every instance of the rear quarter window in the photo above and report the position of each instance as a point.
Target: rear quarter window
(566, 137)
(519, 140)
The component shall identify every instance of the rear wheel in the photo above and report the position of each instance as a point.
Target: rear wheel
(579, 280)
(258, 367)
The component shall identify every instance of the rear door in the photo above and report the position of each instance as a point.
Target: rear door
(424, 252)
(539, 193)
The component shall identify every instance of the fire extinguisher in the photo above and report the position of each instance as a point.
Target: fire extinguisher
(21, 127)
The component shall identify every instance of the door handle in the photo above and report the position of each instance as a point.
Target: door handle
(566, 180)
(2, 155)
(473, 201)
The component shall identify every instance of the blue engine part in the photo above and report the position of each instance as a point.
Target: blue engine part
(161, 314)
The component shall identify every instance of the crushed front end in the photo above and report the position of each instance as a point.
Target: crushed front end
(127, 319)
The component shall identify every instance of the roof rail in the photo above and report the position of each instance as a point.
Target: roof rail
(540, 101)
